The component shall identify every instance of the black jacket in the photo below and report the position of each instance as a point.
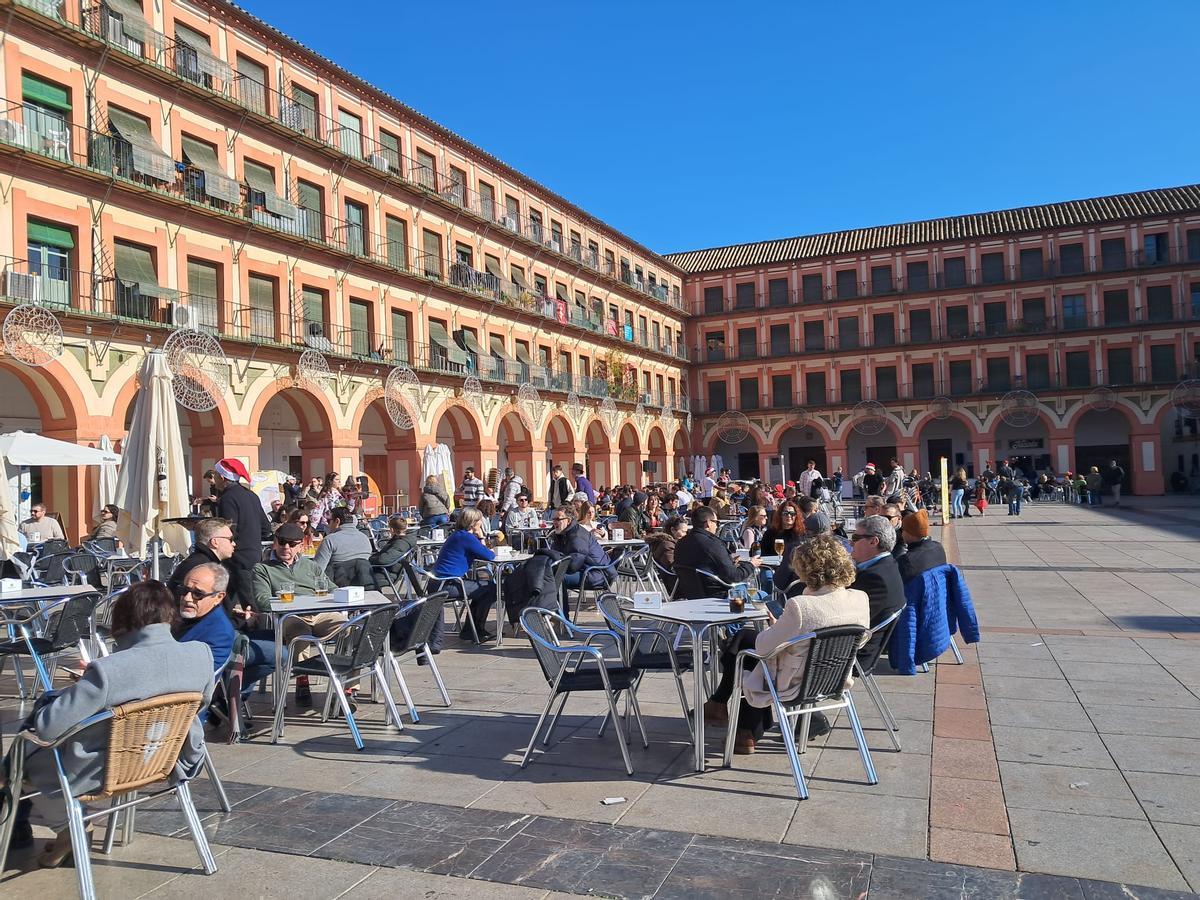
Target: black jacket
(251, 527)
(884, 587)
(701, 550)
(899, 548)
(198, 557)
(533, 584)
(560, 492)
(921, 557)
(582, 547)
(390, 556)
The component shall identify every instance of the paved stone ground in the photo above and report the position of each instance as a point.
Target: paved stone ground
(1066, 745)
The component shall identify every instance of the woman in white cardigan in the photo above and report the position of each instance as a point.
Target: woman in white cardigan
(827, 571)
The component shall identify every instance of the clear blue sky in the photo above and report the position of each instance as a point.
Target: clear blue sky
(695, 124)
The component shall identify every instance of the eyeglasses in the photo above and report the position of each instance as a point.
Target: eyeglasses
(196, 593)
(224, 537)
(790, 513)
(288, 543)
(859, 537)
(560, 519)
(302, 521)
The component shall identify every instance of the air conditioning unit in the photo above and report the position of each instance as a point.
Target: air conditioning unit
(13, 132)
(509, 222)
(22, 286)
(379, 161)
(181, 316)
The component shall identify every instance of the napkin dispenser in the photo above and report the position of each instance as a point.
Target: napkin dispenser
(438, 534)
(10, 585)
(616, 533)
(352, 594)
(647, 600)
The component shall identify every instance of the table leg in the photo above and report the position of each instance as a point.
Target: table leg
(278, 690)
(698, 700)
(499, 576)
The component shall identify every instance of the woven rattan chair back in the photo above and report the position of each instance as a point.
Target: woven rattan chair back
(144, 740)
(830, 658)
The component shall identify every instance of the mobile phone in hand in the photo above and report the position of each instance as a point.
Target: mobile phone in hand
(73, 674)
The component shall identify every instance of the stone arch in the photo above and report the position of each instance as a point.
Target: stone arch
(388, 454)
(515, 447)
(295, 431)
(598, 460)
(679, 452)
(773, 439)
(657, 453)
(629, 446)
(877, 448)
(559, 437)
(459, 429)
(956, 437)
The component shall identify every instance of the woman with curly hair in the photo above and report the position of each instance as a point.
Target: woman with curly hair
(827, 571)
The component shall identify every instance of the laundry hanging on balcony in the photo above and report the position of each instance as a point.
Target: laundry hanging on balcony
(217, 184)
(146, 157)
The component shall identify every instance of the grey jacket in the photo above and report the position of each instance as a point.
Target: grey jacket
(434, 501)
(148, 663)
(343, 545)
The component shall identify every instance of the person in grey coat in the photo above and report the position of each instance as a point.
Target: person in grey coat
(149, 662)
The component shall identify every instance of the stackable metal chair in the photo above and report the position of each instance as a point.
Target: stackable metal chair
(428, 613)
(634, 573)
(49, 569)
(664, 577)
(587, 583)
(864, 670)
(63, 625)
(576, 667)
(461, 603)
(831, 658)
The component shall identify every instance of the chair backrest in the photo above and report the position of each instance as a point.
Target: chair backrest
(539, 628)
(80, 566)
(428, 615)
(371, 639)
(881, 634)
(48, 568)
(144, 740)
(830, 658)
(609, 606)
(102, 545)
(74, 620)
(55, 545)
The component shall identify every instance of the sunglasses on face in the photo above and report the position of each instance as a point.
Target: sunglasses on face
(288, 543)
(302, 521)
(196, 593)
(860, 537)
(789, 513)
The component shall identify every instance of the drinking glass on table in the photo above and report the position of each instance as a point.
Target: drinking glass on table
(779, 546)
(322, 588)
(287, 592)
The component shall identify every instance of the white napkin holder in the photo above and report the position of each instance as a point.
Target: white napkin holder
(741, 553)
(10, 585)
(439, 534)
(503, 552)
(616, 533)
(352, 594)
(644, 600)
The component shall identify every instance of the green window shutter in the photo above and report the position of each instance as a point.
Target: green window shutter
(259, 177)
(262, 293)
(50, 235)
(135, 265)
(309, 195)
(397, 243)
(202, 279)
(359, 316)
(45, 93)
(314, 305)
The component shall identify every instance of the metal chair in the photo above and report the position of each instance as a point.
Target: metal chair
(586, 583)
(416, 641)
(864, 669)
(461, 603)
(831, 657)
(48, 569)
(365, 640)
(64, 623)
(667, 580)
(53, 546)
(633, 572)
(82, 568)
(101, 547)
(145, 738)
(575, 667)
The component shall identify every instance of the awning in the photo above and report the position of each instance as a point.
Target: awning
(259, 178)
(560, 291)
(133, 21)
(439, 338)
(148, 157)
(217, 184)
(205, 62)
(497, 344)
(44, 93)
(135, 266)
(523, 354)
(51, 235)
(468, 342)
(518, 278)
(492, 266)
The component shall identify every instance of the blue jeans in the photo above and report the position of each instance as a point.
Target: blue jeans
(1014, 504)
(435, 521)
(260, 660)
(956, 502)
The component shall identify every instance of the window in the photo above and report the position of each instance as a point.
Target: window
(535, 225)
(360, 328)
(1078, 368)
(251, 84)
(46, 114)
(1070, 259)
(957, 324)
(881, 279)
(781, 391)
(138, 291)
(917, 274)
(564, 381)
(1193, 244)
(349, 134)
(556, 236)
(463, 255)
(995, 318)
(1155, 250)
(643, 335)
(136, 151)
(814, 388)
(204, 293)
(49, 255)
(431, 256)
(1074, 311)
(1037, 371)
(539, 287)
(401, 329)
(260, 185)
(781, 339)
(851, 385)
(1031, 263)
(397, 242)
(747, 344)
(512, 212)
(886, 387)
(920, 326)
(610, 264)
(777, 292)
(814, 291)
(748, 393)
(1159, 307)
(744, 296)
(302, 113)
(960, 378)
(593, 257)
(1162, 363)
(992, 267)
(717, 401)
(425, 171)
(999, 376)
(389, 149)
(922, 381)
(313, 310)
(1033, 313)
(356, 228)
(1120, 365)
(883, 326)
(1195, 297)
(487, 201)
(577, 248)
(847, 284)
(456, 191)
(714, 300)
(814, 335)
(193, 56)
(656, 335)
(1112, 253)
(848, 332)
(714, 342)
(312, 209)
(954, 270)
(261, 325)
(1116, 307)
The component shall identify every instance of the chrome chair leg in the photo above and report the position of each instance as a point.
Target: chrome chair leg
(554, 721)
(437, 675)
(184, 795)
(408, 700)
(81, 850)
(537, 729)
(612, 708)
(860, 739)
(218, 787)
(957, 654)
(789, 743)
(393, 710)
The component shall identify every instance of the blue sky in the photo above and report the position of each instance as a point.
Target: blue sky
(695, 124)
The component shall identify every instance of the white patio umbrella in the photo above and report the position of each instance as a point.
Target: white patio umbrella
(106, 485)
(9, 542)
(152, 483)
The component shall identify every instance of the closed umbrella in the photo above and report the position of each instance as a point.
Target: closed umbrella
(106, 486)
(9, 542)
(152, 483)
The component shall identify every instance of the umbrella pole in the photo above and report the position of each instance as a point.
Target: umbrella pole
(154, 565)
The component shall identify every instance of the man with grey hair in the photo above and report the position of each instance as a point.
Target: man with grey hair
(878, 574)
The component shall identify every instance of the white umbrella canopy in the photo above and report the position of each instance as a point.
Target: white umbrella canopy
(21, 448)
(106, 487)
(9, 542)
(152, 482)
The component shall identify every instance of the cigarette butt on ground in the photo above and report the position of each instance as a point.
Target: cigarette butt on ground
(609, 801)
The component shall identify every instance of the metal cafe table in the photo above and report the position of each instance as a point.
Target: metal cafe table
(497, 568)
(698, 617)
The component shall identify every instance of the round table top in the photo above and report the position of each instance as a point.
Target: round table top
(709, 610)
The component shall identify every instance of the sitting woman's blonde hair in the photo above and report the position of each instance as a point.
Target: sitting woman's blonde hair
(821, 561)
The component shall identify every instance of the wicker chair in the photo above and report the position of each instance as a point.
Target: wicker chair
(144, 741)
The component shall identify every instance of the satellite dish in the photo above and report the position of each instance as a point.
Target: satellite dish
(733, 427)
(33, 335)
(199, 367)
(1019, 409)
(870, 417)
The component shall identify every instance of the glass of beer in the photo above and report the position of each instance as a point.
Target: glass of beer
(287, 592)
(779, 546)
(321, 588)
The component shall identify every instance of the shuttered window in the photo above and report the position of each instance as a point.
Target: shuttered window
(397, 242)
(400, 334)
(251, 84)
(389, 146)
(431, 244)
(262, 308)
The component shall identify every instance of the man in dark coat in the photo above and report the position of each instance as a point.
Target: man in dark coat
(574, 541)
(878, 575)
(924, 553)
(251, 528)
(214, 543)
(700, 548)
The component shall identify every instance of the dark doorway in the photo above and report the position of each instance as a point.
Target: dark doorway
(1100, 457)
(747, 465)
(882, 457)
(798, 458)
(937, 448)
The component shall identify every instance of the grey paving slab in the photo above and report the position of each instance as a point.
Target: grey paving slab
(1183, 843)
(1166, 797)
(1030, 689)
(1071, 789)
(1052, 714)
(1138, 753)
(1144, 719)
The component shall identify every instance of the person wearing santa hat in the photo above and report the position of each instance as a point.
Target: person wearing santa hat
(242, 508)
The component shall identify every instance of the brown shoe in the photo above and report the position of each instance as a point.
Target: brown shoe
(743, 742)
(715, 713)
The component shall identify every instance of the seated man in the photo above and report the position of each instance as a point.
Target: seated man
(39, 527)
(924, 553)
(214, 543)
(287, 565)
(581, 547)
(878, 574)
(521, 515)
(345, 550)
(202, 617)
(700, 549)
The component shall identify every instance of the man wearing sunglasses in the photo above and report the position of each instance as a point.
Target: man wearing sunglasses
(214, 543)
(878, 574)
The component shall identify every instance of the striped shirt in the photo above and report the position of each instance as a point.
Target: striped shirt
(471, 490)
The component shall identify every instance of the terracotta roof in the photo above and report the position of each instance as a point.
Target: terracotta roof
(951, 228)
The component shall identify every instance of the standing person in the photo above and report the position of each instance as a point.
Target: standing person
(560, 488)
(708, 484)
(895, 479)
(1011, 490)
(1114, 475)
(513, 485)
(958, 487)
(838, 477)
(470, 491)
(1095, 486)
(872, 481)
(293, 492)
(809, 477)
(582, 485)
(434, 504)
(314, 489)
(241, 507)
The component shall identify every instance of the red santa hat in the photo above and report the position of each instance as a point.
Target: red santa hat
(232, 470)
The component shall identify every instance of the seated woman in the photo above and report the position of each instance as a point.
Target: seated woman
(756, 525)
(662, 547)
(587, 520)
(148, 662)
(394, 555)
(787, 525)
(462, 548)
(106, 524)
(303, 520)
(823, 565)
(435, 503)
